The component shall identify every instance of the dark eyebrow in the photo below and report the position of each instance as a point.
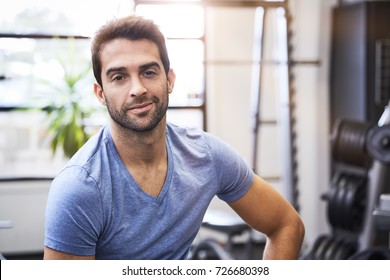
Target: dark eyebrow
(115, 69)
(149, 65)
(142, 68)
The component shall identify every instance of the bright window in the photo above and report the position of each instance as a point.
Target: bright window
(32, 58)
(71, 17)
(34, 61)
(183, 27)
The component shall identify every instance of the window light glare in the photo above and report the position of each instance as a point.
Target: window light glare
(175, 21)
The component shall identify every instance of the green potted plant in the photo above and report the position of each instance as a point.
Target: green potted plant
(69, 105)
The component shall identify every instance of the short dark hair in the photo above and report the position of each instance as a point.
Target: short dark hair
(132, 28)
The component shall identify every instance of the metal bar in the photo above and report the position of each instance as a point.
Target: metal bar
(315, 62)
(292, 162)
(257, 96)
(19, 179)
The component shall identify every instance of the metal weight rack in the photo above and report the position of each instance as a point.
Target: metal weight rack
(358, 199)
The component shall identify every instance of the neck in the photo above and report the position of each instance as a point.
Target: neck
(140, 148)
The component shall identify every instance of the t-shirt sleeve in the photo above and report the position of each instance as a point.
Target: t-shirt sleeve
(233, 172)
(73, 213)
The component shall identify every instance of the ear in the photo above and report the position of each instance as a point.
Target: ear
(99, 93)
(171, 80)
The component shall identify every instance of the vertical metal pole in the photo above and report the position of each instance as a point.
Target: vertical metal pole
(257, 74)
(289, 149)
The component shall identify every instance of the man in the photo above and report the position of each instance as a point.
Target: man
(139, 188)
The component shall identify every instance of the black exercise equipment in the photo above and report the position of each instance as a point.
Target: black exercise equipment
(346, 201)
(358, 199)
(210, 249)
(379, 181)
(327, 247)
(349, 142)
(230, 225)
(379, 143)
(382, 213)
(381, 216)
(372, 254)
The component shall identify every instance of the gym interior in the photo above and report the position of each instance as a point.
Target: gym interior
(300, 88)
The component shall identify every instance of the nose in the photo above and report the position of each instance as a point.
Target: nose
(137, 88)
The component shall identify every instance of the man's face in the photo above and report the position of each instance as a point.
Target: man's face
(135, 86)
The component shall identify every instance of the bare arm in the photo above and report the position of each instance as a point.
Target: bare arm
(264, 209)
(50, 254)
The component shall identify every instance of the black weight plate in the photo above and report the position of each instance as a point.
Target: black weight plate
(322, 247)
(331, 197)
(339, 200)
(355, 202)
(349, 142)
(348, 203)
(332, 249)
(345, 251)
(359, 206)
(339, 251)
(342, 207)
(325, 248)
(332, 215)
(316, 245)
(378, 143)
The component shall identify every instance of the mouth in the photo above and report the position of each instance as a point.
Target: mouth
(141, 108)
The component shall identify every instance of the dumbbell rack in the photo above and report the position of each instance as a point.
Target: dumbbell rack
(362, 173)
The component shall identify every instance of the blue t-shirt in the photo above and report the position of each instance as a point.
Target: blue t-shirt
(95, 207)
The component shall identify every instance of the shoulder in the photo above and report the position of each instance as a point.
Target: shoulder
(196, 143)
(92, 158)
(175, 131)
(81, 173)
(193, 136)
(91, 148)
(72, 182)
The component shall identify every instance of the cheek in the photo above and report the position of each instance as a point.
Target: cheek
(116, 103)
(103, 100)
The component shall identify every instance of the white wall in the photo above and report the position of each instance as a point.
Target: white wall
(312, 39)
(25, 146)
(22, 204)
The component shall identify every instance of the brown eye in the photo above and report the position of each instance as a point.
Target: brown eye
(149, 74)
(118, 78)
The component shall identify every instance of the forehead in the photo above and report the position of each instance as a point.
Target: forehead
(129, 52)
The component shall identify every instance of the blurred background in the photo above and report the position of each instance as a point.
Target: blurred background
(294, 86)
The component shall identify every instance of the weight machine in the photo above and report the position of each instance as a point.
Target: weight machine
(358, 199)
(232, 226)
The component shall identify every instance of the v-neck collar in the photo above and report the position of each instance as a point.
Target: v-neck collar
(129, 179)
